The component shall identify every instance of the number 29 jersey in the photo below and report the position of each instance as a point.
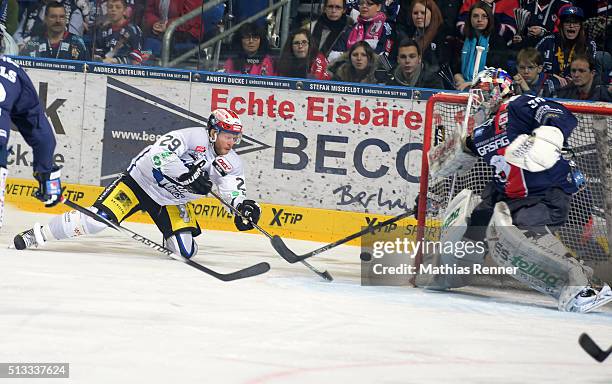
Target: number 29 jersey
(157, 167)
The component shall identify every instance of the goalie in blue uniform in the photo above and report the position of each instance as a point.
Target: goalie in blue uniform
(528, 199)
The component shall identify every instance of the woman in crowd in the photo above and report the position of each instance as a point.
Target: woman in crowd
(332, 23)
(358, 65)
(478, 31)
(560, 48)
(371, 27)
(301, 58)
(251, 49)
(411, 70)
(426, 29)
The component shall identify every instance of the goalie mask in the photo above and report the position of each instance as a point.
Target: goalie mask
(491, 87)
(224, 121)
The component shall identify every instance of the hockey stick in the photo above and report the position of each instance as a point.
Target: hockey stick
(253, 270)
(291, 257)
(275, 240)
(593, 349)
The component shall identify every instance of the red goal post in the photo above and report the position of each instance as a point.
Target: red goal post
(592, 141)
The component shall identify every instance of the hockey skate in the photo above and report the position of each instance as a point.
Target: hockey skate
(33, 237)
(589, 299)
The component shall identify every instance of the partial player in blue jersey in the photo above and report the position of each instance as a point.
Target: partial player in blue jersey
(19, 105)
(528, 199)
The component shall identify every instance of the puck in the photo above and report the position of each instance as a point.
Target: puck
(365, 256)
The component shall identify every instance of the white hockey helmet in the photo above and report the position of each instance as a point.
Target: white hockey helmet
(492, 86)
(224, 120)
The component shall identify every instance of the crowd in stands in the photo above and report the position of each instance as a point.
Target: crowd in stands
(554, 48)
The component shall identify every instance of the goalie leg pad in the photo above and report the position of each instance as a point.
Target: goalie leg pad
(182, 243)
(73, 224)
(454, 226)
(540, 260)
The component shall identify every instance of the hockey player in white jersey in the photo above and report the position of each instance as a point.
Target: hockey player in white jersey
(162, 179)
(528, 199)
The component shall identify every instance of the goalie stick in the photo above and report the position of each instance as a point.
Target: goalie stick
(275, 240)
(593, 349)
(253, 270)
(291, 257)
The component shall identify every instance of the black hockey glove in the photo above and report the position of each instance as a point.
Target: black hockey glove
(196, 179)
(251, 212)
(49, 186)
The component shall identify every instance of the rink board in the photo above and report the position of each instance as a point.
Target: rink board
(283, 220)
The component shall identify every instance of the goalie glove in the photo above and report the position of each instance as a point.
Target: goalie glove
(49, 186)
(250, 211)
(536, 152)
(196, 180)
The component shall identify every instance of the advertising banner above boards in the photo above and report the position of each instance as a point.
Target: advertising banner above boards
(307, 144)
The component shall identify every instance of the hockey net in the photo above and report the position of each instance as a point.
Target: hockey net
(589, 239)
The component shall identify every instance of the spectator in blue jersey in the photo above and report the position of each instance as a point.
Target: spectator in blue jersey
(21, 106)
(531, 79)
(560, 48)
(118, 41)
(32, 21)
(543, 18)
(56, 42)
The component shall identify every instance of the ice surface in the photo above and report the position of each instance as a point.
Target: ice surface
(119, 313)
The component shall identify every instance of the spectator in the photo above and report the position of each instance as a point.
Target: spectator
(411, 70)
(33, 19)
(332, 23)
(542, 21)
(56, 42)
(301, 58)
(118, 41)
(503, 17)
(560, 48)
(391, 8)
(531, 79)
(358, 65)
(252, 52)
(585, 84)
(477, 33)
(426, 29)
(159, 14)
(371, 27)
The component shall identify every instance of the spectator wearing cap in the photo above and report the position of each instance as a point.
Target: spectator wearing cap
(542, 21)
(371, 26)
(585, 84)
(560, 48)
